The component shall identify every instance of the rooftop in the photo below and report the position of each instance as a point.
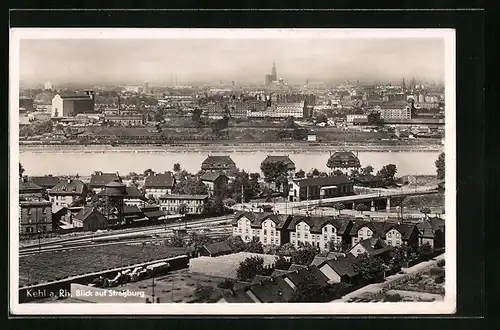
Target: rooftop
(159, 180)
(185, 197)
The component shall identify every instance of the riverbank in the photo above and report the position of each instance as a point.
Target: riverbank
(234, 147)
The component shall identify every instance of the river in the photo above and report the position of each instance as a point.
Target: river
(69, 162)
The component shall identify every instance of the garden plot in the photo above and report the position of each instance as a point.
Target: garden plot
(48, 266)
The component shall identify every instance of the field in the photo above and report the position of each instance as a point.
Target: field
(435, 202)
(58, 264)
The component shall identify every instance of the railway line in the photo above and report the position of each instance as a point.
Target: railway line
(126, 234)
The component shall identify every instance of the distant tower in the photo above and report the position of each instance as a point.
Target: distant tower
(115, 192)
(233, 82)
(404, 83)
(48, 85)
(273, 72)
(146, 88)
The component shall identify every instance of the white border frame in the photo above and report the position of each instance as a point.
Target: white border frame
(447, 306)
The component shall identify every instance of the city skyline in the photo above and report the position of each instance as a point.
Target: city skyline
(245, 61)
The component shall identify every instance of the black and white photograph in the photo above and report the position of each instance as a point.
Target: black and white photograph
(165, 171)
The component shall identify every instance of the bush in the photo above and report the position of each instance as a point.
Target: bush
(439, 279)
(393, 298)
(437, 271)
(441, 263)
(226, 284)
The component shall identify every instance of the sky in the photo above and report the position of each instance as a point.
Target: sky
(245, 61)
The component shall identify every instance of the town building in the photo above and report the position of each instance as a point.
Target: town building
(132, 196)
(194, 203)
(47, 182)
(35, 215)
(122, 119)
(159, 184)
(99, 180)
(71, 105)
(216, 182)
(90, 220)
(218, 163)
(66, 192)
(285, 159)
(29, 189)
(48, 85)
(397, 112)
(320, 188)
(344, 161)
(283, 110)
(356, 119)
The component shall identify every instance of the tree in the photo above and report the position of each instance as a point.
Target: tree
(190, 186)
(321, 118)
(21, 170)
(254, 184)
(241, 181)
(133, 176)
(361, 208)
(309, 290)
(282, 264)
(368, 170)
(299, 133)
(398, 256)
(300, 174)
(229, 202)
(214, 205)
(177, 167)
(334, 246)
(315, 172)
(287, 249)
(182, 209)
(273, 170)
(151, 199)
(339, 207)
(424, 250)
(440, 166)
(369, 269)
(388, 173)
(354, 173)
(196, 240)
(338, 173)
(236, 244)
(250, 267)
(177, 241)
(149, 172)
(254, 246)
(425, 211)
(80, 201)
(290, 123)
(304, 255)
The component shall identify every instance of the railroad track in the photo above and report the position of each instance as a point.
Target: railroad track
(213, 233)
(141, 230)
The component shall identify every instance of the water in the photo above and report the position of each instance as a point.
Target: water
(85, 163)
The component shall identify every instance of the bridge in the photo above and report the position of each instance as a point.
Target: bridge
(371, 196)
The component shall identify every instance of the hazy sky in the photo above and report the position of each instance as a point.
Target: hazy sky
(242, 60)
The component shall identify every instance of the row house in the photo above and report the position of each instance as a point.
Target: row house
(432, 232)
(66, 192)
(99, 180)
(269, 228)
(35, 215)
(159, 184)
(194, 203)
(319, 231)
(393, 234)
